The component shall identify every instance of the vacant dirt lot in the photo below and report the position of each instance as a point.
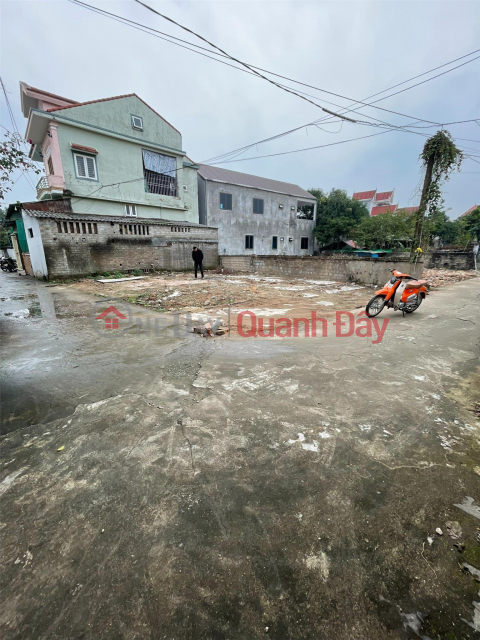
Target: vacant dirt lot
(217, 294)
(213, 296)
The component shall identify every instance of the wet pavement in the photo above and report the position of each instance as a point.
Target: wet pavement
(163, 486)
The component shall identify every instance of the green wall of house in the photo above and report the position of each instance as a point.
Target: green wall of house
(119, 160)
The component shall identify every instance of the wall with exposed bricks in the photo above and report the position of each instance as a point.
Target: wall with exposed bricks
(448, 259)
(93, 248)
(374, 271)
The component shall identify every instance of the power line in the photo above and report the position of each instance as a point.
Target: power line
(249, 68)
(321, 146)
(244, 64)
(239, 151)
(15, 128)
(142, 27)
(331, 144)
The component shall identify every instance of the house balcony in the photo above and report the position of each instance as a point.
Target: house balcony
(49, 185)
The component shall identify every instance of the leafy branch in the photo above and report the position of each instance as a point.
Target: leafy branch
(12, 158)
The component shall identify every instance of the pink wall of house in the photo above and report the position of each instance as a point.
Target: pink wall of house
(51, 148)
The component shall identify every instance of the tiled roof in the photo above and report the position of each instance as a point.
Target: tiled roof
(386, 208)
(364, 195)
(255, 182)
(80, 147)
(383, 195)
(51, 95)
(126, 95)
(408, 209)
(470, 210)
(81, 104)
(80, 217)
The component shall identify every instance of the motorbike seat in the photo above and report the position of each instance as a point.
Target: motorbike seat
(415, 284)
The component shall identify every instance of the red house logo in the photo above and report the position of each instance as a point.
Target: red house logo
(112, 322)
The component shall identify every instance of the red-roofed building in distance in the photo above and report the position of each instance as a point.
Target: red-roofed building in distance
(385, 208)
(367, 197)
(469, 211)
(408, 209)
(374, 199)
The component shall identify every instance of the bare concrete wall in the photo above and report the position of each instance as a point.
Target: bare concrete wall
(374, 271)
(98, 247)
(279, 218)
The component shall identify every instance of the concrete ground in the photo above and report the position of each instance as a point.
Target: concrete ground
(162, 486)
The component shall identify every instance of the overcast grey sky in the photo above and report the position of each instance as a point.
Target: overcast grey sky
(351, 48)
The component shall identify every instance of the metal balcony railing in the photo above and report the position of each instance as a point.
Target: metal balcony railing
(42, 184)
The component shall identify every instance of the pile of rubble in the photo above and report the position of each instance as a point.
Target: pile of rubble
(218, 328)
(441, 277)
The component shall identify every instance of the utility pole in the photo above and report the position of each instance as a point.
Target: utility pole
(420, 216)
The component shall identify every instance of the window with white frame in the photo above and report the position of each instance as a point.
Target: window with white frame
(137, 123)
(85, 166)
(131, 210)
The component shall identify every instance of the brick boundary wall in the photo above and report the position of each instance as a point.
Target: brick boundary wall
(339, 268)
(448, 259)
(76, 254)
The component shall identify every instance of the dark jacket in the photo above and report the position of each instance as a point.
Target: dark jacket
(197, 256)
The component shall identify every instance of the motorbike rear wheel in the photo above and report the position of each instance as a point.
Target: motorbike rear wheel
(375, 306)
(415, 307)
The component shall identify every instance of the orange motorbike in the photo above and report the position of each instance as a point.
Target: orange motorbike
(401, 293)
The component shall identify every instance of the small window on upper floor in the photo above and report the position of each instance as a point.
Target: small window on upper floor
(50, 166)
(226, 201)
(137, 123)
(131, 210)
(85, 167)
(303, 243)
(257, 205)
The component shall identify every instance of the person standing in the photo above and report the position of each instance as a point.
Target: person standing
(197, 257)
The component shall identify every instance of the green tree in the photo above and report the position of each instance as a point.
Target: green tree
(450, 232)
(440, 157)
(5, 241)
(337, 215)
(11, 158)
(385, 231)
(471, 223)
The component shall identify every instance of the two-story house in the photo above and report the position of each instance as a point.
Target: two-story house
(256, 215)
(128, 189)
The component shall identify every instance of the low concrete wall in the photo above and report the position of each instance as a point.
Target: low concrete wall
(374, 271)
(448, 259)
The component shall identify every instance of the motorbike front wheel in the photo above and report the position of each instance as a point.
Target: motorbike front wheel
(375, 306)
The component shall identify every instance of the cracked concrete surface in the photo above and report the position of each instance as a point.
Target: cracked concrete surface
(238, 488)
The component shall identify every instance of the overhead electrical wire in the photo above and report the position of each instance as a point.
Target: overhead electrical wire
(323, 120)
(15, 128)
(244, 64)
(252, 67)
(326, 120)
